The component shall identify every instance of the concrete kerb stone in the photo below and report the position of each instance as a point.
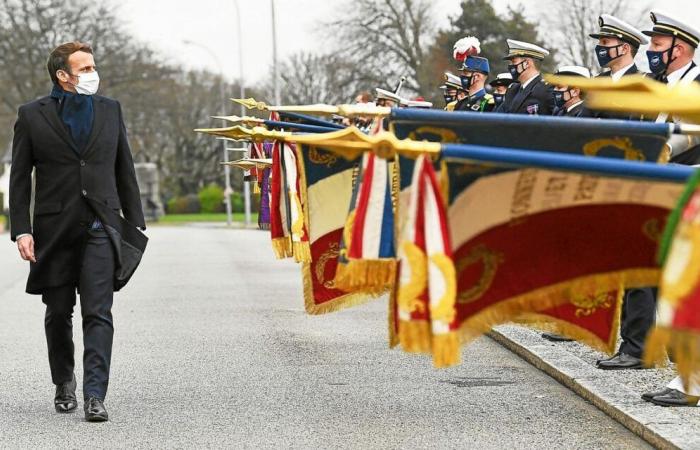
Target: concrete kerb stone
(660, 427)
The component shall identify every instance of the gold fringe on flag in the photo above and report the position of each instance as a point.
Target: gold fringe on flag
(415, 336)
(366, 275)
(551, 296)
(446, 350)
(301, 251)
(282, 247)
(551, 324)
(682, 346)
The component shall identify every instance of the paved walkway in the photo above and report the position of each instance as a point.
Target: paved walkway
(213, 349)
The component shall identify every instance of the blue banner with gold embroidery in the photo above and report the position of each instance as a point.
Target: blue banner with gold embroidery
(639, 141)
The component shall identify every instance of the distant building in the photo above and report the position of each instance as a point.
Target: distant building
(147, 176)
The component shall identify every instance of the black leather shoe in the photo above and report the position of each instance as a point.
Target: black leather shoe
(65, 400)
(675, 398)
(555, 337)
(647, 396)
(95, 410)
(621, 361)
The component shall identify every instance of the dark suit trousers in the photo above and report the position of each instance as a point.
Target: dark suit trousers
(638, 317)
(96, 294)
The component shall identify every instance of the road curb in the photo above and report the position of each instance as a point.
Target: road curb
(658, 426)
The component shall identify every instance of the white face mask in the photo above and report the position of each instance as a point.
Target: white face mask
(88, 83)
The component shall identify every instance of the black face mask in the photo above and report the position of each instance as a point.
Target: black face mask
(603, 54)
(559, 98)
(466, 81)
(449, 98)
(515, 70)
(656, 59)
(498, 98)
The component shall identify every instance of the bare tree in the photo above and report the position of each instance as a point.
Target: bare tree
(573, 20)
(162, 104)
(309, 78)
(387, 39)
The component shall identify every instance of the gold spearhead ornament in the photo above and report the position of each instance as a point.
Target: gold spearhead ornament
(351, 143)
(241, 133)
(360, 109)
(249, 163)
(244, 119)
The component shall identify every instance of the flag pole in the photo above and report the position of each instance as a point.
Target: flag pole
(575, 163)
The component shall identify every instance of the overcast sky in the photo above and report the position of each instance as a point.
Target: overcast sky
(165, 24)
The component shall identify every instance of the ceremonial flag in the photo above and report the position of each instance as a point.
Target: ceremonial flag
(367, 260)
(264, 183)
(425, 302)
(287, 228)
(551, 247)
(326, 187)
(678, 319)
(590, 317)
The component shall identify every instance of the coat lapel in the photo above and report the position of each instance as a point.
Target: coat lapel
(50, 113)
(523, 93)
(97, 124)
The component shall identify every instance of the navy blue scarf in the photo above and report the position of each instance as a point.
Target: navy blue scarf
(76, 112)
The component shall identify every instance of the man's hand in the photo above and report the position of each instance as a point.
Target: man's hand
(25, 244)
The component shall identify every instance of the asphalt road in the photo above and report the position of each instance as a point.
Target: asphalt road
(213, 349)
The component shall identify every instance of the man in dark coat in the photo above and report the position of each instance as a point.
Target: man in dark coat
(76, 141)
(529, 94)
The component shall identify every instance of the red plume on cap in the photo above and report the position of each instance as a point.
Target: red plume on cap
(468, 46)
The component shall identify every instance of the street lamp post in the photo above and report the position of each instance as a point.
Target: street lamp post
(246, 184)
(222, 92)
(275, 66)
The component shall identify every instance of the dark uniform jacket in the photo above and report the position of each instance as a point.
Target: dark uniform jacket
(479, 102)
(535, 98)
(577, 111)
(622, 116)
(73, 187)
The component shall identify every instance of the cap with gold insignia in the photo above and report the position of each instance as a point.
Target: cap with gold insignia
(667, 25)
(452, 81)
(525, 50)
(611, 26)
(577, 71)
(502, 79)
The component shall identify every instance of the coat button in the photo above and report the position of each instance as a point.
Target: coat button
(82, 163)
(84, 192)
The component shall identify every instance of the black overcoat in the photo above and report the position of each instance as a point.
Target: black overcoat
(72, 187)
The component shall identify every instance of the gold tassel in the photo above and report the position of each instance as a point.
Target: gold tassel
(684, 346)
(446, 351)
(256, 189)
(366, 275)
(414, 336)
(282, 247)
(301, 251)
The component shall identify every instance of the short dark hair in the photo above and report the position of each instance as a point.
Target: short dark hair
(58, 59)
